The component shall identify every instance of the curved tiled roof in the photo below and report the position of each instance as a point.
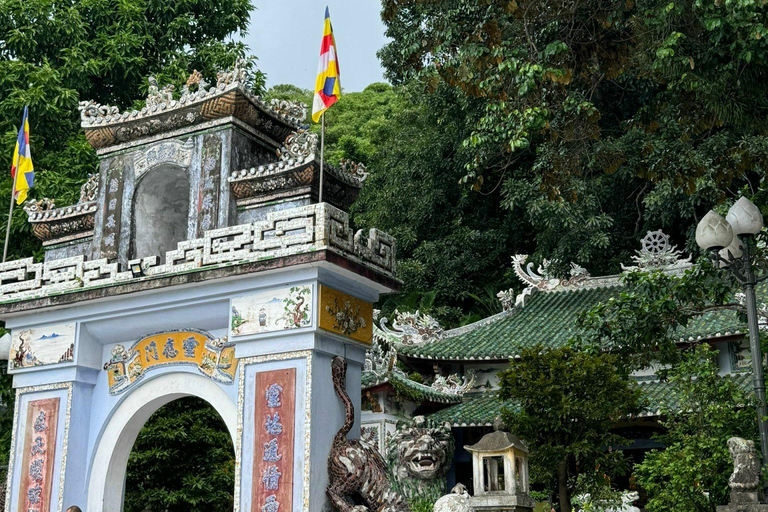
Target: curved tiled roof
(479, 410)
(547, 319)
(408, 388)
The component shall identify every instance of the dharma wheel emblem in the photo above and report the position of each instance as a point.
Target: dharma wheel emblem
(655, 243)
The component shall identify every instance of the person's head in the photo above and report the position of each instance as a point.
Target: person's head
(74, 508)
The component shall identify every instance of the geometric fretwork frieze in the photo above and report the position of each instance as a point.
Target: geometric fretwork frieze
(299, 230)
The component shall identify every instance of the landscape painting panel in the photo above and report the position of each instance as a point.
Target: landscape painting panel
(274, 310)
(43, 345)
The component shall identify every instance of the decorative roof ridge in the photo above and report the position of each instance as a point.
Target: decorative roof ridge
(542, 280)
(300, 148)
(381, 365)
(657, 253)
(410, 329)
(44, 210)
(476, 325)
(391, 377)
(51, 224)
(161, 100)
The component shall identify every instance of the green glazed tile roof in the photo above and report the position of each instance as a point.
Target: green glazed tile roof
(476, 411)
(408, 388)
(482, 409)
(547, 319)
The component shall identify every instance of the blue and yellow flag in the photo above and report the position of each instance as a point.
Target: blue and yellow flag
(22, 162)
(327, 86)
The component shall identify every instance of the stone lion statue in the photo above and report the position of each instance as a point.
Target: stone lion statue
(745, 478)
(418, 457)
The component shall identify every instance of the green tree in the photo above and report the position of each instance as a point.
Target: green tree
(182, 461)
(691, 473)
(569, 401)
(578, 104)
(643, 322)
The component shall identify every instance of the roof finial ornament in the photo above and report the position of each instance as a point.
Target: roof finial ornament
(658, 253)
(412, 328)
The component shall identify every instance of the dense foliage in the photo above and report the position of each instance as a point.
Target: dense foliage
(691, 474)
(569, 401)
(182, 461)
(572, 105)
(642, 323)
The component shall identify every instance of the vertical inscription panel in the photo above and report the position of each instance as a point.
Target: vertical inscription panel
(112, 208)
(209, 184)
(39, 456)
(274, 419)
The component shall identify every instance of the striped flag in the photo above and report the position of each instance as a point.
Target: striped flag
(22, 162)
(327, 86)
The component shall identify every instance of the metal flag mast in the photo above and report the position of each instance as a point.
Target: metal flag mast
(10, 211)
(322, 151)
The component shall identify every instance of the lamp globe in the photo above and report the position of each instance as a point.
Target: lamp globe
(745, 218)
(713, 232)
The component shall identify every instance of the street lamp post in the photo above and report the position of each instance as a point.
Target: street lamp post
(721, 236)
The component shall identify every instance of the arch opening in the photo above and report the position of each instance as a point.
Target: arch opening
(160, 212)
(183, 460)
(107, 474)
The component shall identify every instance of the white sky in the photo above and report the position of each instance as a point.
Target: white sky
(285, 37)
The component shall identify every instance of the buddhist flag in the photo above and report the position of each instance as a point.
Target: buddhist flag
(22, 162)
(327, 87)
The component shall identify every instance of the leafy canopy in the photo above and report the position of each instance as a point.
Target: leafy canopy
(569, 401)
(573, 105)
(691, 473)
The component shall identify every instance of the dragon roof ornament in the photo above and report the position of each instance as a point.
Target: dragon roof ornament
(543, 280)
(299, 147)
(454, 384)
(381, 361)
(658, 253)
(412, 329)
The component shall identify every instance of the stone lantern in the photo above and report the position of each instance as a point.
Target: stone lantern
(500, 472)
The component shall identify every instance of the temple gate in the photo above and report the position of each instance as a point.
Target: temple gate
(197, 262)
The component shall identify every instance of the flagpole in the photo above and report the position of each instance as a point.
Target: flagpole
(322, 155)
(10, 212)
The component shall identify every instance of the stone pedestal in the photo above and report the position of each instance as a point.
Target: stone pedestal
(746, 507)
(500, 502)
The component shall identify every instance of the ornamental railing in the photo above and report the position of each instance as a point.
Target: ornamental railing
(289, 232)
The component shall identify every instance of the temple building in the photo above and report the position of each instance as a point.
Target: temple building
(416, 367)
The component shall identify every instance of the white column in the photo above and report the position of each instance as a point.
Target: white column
(477, 471)
(509, 475)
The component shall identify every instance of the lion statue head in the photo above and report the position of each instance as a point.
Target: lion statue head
(419, 456)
